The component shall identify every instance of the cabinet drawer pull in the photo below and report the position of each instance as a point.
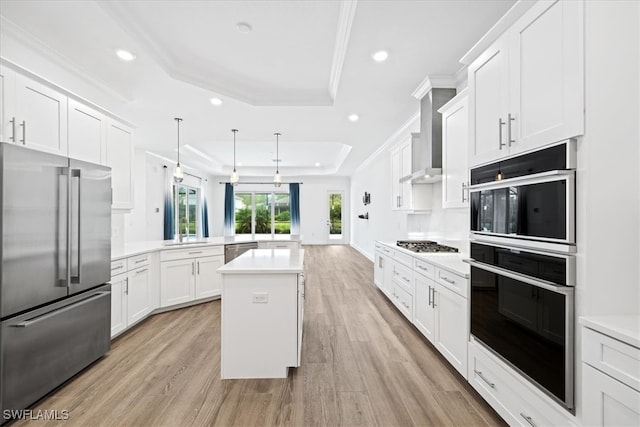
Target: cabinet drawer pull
(140, 260)
(195, 252)
(489, 383)
(141, 271)
(13, 129)
(116, 268)
(510, 119)
(500, 124)
(528, 419)
(406, 280)
(422, 268)
(446, 279)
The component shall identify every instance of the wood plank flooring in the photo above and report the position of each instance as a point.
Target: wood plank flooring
(363, 364)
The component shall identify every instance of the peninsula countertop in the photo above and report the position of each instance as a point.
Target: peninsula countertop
(137, 248)
(266, 261)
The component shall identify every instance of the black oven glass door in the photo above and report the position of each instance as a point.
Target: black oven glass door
(527, 326)
(533, 211)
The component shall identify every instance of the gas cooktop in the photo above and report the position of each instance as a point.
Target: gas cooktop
(424, 246)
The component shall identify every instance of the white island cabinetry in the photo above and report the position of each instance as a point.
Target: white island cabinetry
(262, 311)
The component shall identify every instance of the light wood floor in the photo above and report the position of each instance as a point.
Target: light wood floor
(363, 364)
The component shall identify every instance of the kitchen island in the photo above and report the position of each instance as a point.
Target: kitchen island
(262, 312)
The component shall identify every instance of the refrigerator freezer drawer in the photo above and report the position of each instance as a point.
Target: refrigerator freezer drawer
(43, 348)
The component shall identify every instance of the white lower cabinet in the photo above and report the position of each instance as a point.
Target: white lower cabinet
(517, 401)
(190, 274)
(610, 380)
(132, 290)
(118, 304)
(433, 299)
(279, 245)
(442, 317)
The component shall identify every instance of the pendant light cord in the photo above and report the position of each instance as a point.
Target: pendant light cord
(234, 148)
(277, 134)
(177, 119)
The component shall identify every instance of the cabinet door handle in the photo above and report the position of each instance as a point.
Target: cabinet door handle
(500, 124)
(429, 296)
(193, 268)
(433, 303)
(464, 187)
(528, 419)
(198, 267)
(510, 119)
(24, 132)
(13, 129)
(489, 383)
(126, 286)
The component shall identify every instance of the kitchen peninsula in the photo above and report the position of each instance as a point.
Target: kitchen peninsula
(262, 312)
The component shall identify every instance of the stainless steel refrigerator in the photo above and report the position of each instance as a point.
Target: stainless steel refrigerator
(55, 299)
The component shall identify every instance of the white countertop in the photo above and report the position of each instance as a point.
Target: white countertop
(621, 327)
(137, 248)
(453, 262)
(266, 261)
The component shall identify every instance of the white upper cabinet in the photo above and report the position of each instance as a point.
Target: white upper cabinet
(488, 102)
(120, 159)
(7, 105)
(87, 133)
(455, 137)
(41, 116)
(526, 90)
(546, 66)
(406, 196)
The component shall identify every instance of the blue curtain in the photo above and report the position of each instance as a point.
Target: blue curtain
(229, 211)
(168, 205)
(294, 198)
(205, 213)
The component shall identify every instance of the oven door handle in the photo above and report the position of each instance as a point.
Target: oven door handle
(565, 290)
(537, 178)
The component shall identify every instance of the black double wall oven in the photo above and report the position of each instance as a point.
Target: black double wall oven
(523, 267)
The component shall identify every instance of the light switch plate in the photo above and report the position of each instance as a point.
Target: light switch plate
(260, 297)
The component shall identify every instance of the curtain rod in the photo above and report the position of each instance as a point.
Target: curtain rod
(261, 183)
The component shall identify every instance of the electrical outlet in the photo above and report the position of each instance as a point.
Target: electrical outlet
(260, 297)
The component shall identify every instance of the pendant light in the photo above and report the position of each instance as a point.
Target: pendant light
(178, 175)
(234, 175)
(277, 179)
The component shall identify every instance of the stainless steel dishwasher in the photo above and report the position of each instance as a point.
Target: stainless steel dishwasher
(234, 250)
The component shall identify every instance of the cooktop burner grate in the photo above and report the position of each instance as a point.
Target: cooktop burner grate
(424, 246)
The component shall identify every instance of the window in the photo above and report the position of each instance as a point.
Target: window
(187, 210)
(262, 213)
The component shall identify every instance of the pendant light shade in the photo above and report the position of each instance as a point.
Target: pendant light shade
(234, 178)
(178, 175)
(277, 179)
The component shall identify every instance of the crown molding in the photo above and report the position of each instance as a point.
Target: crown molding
(512, 15)
(431, 82)
(345, 22)
(17, 33)
(401, 133)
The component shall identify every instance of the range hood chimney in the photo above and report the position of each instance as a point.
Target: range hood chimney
(426, 154)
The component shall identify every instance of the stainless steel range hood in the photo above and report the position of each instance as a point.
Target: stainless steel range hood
(426, 153)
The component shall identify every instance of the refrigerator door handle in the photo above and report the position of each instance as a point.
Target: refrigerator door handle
(63, 221)
(37, 319)
(75, 248)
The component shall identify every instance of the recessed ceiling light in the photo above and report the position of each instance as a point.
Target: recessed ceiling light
(216, 101)
(354, 117)
(125, 55)
(380, 56)
(317, 164)
(243, 27)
